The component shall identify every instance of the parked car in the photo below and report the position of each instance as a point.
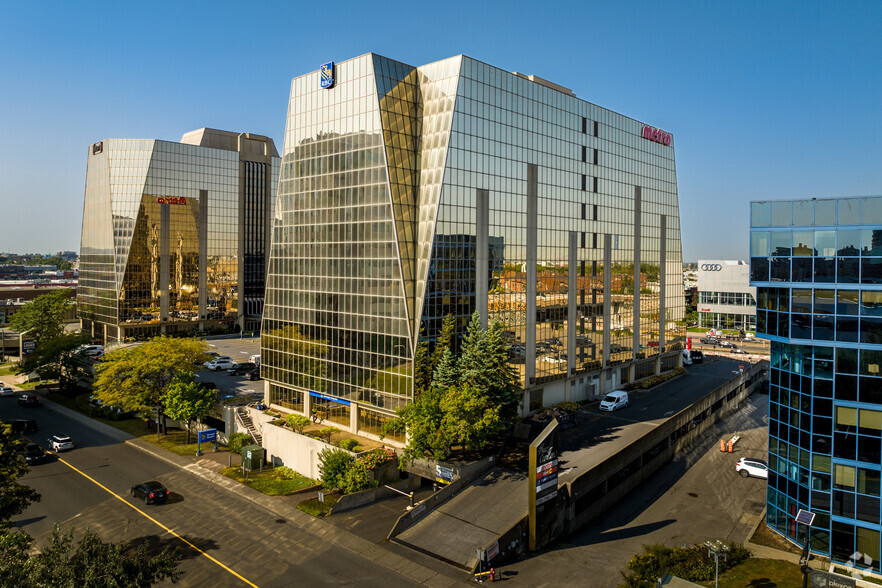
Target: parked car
(241, 368)
(616, 348)
(23, 426)
(220, 364)
(697, 356)
(6, 391)
(60, 443)
(559, 358)
(582, 341)
(29, 400)
(255, 359)
(752, 467)
(91, 350)
(614, 401)
(517, 351)
(151, 492)
(34, 454)
(216, 358)
(254, 374)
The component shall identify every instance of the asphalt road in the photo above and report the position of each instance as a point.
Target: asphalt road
(232, 542)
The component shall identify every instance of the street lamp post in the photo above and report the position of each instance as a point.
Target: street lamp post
(715, 549)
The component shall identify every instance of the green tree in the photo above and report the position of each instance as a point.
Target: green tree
(298, 422)
(471, 359)
(43, 317)
(187, 400)
(56, 358)
(357, 477)
(422, 366)
(333, 464)
(471, 417)
(446, 374)
(328, 432)
(137, 378)
(484, 365)
(14, 497)
(89, 562)
(422, 419)
(446, 340)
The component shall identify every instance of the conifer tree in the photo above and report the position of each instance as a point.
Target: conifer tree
(471, 360)
(445, 340)
(445, 375)
(422, 366)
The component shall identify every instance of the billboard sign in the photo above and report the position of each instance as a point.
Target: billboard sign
(542, 487)
(171, 200)
(657, 135)
(328, 75)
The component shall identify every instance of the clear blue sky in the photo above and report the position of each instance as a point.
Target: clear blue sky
(766, 100)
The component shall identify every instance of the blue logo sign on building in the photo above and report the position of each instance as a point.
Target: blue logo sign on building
(328, 75)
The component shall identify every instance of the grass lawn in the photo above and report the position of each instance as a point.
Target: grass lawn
(7, 370)
(316, 508)
(268, 482)
(757, 572)
(174, 441)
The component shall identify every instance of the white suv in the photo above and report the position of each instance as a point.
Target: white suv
(60, 443)
(751, 467)
(220, 364)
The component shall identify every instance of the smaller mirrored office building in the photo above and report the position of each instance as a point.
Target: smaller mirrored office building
(817, 268)
(175, 235)
(413, 193)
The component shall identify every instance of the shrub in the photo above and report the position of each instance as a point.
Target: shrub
(297, 422)
(357, 478)
(285, 473)
(278, 422)
(328, 432)
(690, 563)
(569, 406)
(237, 441)
(333, 464)
(349, 444)
(378, 457)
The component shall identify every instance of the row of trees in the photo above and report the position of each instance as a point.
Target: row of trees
(63, 561)
(467, 399)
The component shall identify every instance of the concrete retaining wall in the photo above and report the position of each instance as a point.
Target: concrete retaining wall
(356, 499)
(296, 451)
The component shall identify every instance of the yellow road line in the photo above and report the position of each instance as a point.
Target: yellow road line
(145, 515)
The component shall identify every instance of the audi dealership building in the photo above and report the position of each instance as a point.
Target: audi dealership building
(726, 300)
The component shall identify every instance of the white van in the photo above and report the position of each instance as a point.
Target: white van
(687, 357)
(614, 401)
(255, 359)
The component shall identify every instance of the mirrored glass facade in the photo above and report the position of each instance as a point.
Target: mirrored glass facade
(817, 267)
(175, 234)
(408, 194)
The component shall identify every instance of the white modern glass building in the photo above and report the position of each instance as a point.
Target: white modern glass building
(726, 300)
(411, 193)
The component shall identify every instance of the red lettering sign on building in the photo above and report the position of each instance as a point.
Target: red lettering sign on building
(171, 200)
(657, 135)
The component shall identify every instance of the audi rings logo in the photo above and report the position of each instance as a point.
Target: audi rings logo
(711, 267)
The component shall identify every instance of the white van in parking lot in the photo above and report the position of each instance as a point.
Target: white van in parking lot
(614, 401)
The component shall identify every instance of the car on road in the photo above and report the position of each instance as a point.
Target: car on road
(220, 364)
(34, 454)
(752, 467)
(6, 391)
(709, 341)
(253, 374)
(23, 426)
(28, 400)
(213, 357)
(91, 350)
(241, 368)
(726, 344)
(59, 443)
(737, 351)
(614, 401)
(150, 492)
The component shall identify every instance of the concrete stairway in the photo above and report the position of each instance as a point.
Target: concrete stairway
(245, 419)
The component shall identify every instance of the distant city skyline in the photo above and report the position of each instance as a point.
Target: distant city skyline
(764, 101)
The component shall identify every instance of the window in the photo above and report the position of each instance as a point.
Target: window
(584, 181)
(595, 157)
(594, 240)
(583, 240)
(585, 128)
(595, 128)
(583, 211)
(584, 153)
(595, 211)
(595, 184)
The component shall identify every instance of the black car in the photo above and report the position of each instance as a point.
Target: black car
(151, 492)
(34, 454)
(697, 356)
(254, 374)
(29, 400)
(23, 426)
(241, 368)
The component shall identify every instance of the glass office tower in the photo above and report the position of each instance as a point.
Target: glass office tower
(817, 267)
(408, 194)
(175, 234)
